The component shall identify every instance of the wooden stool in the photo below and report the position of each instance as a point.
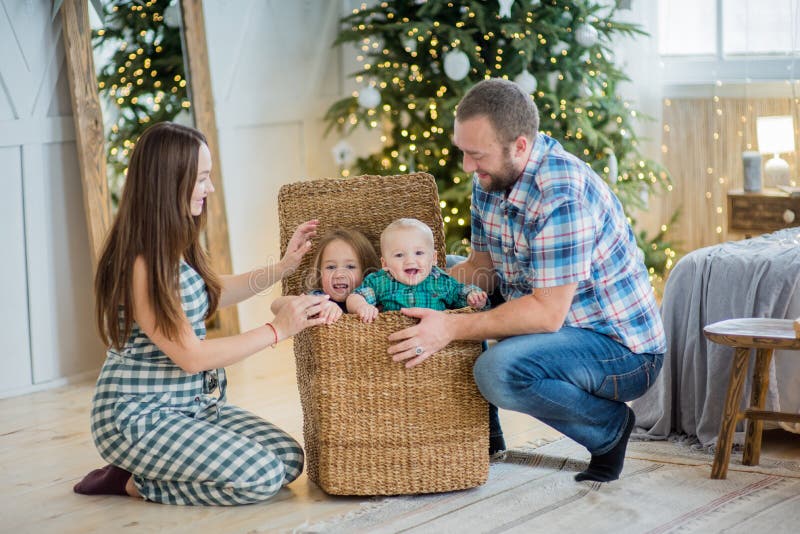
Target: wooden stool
(764, 335)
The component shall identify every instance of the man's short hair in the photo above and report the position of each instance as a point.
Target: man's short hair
(511, 112)
(408, 224)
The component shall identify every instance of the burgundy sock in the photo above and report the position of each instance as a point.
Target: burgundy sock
(607, 467)
(109, 480)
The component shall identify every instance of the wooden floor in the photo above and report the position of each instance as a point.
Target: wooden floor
(45, 448)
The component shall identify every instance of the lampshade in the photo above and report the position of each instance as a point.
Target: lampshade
(775, 134)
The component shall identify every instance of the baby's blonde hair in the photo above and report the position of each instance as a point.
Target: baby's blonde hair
(408, 224)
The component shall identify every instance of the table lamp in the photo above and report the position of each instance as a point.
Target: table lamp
(775, 136)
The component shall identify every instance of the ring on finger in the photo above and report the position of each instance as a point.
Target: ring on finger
(418, 350)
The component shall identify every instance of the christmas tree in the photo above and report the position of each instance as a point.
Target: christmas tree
(419, 58)
(141, 78)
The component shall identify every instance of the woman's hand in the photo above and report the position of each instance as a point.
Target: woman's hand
(298, 245)
(299, 313)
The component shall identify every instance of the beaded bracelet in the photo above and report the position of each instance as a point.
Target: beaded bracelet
(275, 332)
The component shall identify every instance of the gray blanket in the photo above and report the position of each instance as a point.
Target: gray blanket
(752, 278)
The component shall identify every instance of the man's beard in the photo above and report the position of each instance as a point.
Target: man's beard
(504, 178)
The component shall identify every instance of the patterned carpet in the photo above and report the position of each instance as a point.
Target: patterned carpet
(665, 487)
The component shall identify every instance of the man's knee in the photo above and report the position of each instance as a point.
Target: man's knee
(491, 376)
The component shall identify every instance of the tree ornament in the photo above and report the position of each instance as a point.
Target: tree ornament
(410, 44)
(535, 3)
(343, 153)
(456, 65)
(558, 48)
(526, 81)
(369, 97)
(552, 80)
(172, 15)
(613, 165)
(586, 35)
(505, 8)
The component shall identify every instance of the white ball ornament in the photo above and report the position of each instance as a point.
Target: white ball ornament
(586, 35)
(343, 153)
(410, 44)
(456, 65)
(505, 8)
(559, 47)
(552, 81)
(172, 16)
(369, 97)
(613, 166)
(526, 81)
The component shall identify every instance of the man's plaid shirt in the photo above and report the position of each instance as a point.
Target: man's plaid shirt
(560, 224)
(439, 291)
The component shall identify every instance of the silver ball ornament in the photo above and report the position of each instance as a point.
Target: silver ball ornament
(586, 35)
(369, 97)
(456, 65)
(526, 81)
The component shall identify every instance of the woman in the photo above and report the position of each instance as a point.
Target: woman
(154, 420)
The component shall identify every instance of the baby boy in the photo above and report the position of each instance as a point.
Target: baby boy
(409, 277)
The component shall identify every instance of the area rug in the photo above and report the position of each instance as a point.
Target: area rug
(665, 487)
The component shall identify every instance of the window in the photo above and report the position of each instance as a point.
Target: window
(706, 41)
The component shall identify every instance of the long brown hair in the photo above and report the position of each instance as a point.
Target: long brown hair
(365, 254)
(155, 222)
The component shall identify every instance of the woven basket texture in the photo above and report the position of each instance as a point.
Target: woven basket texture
(371, 426)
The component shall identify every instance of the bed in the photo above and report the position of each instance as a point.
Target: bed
(757, 277)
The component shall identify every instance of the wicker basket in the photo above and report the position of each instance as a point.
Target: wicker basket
(371, 426)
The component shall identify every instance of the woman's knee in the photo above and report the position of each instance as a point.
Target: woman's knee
(259, 485)
(293, 463)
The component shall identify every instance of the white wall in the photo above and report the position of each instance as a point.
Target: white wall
(45, 277)
(274, 75)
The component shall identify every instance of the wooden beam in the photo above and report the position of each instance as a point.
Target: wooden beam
(88, 122)
(199, 74)
(764, 415)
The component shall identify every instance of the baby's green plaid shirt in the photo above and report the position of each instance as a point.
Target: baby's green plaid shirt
(439, 291)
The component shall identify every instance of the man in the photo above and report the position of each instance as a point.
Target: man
(580, 332)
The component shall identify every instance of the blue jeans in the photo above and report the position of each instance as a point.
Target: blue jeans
(574, 380)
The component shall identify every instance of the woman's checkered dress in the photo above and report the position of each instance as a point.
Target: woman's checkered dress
(182, 444)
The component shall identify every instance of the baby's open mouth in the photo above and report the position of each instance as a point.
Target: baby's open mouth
(340, 286)
(411, 272)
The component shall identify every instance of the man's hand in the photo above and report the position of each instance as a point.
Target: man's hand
(477, 299)
(416, 343)
(298, 245)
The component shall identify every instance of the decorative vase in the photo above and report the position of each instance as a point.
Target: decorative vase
(752, 170)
